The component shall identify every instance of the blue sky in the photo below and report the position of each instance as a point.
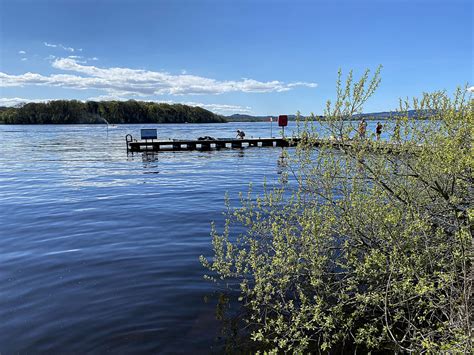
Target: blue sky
(259, 57)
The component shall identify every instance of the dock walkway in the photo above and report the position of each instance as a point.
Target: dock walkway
(179, 144)
(172, 145)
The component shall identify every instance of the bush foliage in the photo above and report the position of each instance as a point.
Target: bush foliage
(371, 248)
(131, 111)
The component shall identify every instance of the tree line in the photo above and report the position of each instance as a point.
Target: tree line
(113, 112)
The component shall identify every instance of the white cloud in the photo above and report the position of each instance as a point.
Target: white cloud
(222, 108)
(142, 83)
(78, 58)
(13, 101)
(21, 52)
(110, 97)
(300, 83)
(471, 89)
(24, 59)
(68, 49)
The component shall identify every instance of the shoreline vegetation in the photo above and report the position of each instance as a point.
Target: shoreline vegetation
(363, 251)
(141, 112)
(110, 112)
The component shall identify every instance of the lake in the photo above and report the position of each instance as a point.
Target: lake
(99, 249)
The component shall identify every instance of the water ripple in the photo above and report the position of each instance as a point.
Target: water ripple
(99, 250)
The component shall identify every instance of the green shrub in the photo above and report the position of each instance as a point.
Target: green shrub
(371, 247)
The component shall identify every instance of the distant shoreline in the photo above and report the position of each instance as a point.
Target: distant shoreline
(106, 112)
(142, 112)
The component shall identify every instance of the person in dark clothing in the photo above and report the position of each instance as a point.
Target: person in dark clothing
(378, 130)
(240, 134)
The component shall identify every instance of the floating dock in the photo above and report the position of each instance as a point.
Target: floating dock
(150, 143)
(219, 143)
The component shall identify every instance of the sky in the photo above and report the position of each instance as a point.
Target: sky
(258, 57)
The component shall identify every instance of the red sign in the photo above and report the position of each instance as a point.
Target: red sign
(283, 120)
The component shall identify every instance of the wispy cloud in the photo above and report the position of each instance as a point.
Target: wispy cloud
(222, 108)
(21, 52)
(69, 49)
(13, 101)
(24, 59)
(78, 58)
(471, 89)
(142, 83)
(111, 97)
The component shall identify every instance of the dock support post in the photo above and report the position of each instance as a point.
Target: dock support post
(128, 140)
(205, 146)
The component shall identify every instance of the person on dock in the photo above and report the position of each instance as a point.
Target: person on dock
(378, 130)
(240, 134)
(362, 128)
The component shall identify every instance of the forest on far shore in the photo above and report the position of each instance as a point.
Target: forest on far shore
(112, 112)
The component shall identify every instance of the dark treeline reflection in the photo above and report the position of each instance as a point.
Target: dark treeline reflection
(114, 112)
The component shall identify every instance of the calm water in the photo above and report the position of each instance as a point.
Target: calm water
(99, 250)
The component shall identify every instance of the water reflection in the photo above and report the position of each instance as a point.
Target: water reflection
(150, 162)
(282, 167)
(149, 157)
(234, 336)
(282, 162)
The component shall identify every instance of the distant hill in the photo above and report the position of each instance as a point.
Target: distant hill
(369, 116)
(246, 118)
(393, 114)
(249, 118)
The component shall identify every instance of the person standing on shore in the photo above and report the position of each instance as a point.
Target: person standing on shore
(378, 130)
(362, 129)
